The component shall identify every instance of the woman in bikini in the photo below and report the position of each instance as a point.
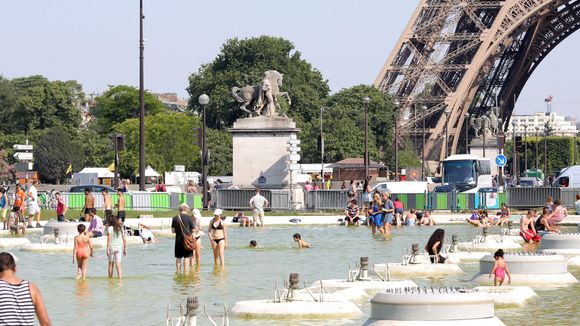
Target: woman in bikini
(218, 237)
(500, 269)
(82, 250)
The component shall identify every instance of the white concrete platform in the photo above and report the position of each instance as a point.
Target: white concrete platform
(508, 295)
(418, 270)
(369, 286)
(266, 309)
(492, 243)
(494, 321)
(331, 295)
(464, 256)
(533, 280)
(6, 243)
(6, 233)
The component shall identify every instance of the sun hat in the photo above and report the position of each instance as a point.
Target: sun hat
(218, 212)
(196, 213)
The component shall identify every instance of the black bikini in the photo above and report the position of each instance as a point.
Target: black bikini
(219, 227)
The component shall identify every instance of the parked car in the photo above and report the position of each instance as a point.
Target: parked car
(94, 188)
(531, 182)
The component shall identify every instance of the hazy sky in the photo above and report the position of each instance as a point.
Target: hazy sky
(96, 42)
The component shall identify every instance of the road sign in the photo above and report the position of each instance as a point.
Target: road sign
(22, 147)
(500, 140)
(294, 149)
(501, 160)
(294, 167)
(23, 156)
(294, 142)
(294, 157)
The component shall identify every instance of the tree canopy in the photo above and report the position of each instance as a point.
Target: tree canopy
(53, 153)
(120, 103)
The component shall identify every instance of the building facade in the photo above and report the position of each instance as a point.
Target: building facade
(559, 125)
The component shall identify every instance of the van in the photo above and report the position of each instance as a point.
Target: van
(568, 178)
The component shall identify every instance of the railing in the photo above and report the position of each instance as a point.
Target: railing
(536, 197)
(138, 201)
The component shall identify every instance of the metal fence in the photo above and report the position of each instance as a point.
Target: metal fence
(138, 201)
(536, 197)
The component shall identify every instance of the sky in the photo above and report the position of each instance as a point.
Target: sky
(97, 42)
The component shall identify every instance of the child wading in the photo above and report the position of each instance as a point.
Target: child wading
(500, 269)
(116, 245)
(83, 249)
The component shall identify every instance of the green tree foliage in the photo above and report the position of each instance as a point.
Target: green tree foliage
(53, 153)
(243, 62)
(7, 172)
(219, 143)
(560, 153)
(169, 140)
(96, 149)
(35, 103)
(120, 103)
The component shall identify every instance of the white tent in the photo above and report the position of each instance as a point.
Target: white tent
(101, 172)
(149, 172)
(92, 176)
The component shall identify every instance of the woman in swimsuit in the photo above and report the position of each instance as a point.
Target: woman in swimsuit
(218, 237)
(500, 269)
(376, 215)
(83, 249)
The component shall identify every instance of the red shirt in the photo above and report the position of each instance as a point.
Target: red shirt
(19, 198)
(59, 207)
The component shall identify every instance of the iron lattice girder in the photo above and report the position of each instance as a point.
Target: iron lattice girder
(456, 46)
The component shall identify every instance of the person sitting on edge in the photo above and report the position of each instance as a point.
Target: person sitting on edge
(411, 218)
(253, 244)
(558, 214)
(527, 229)
(146, 234)
(301, 243)
(504, 215)
(542, 223)
(426, 219)
(20, 299)
(243, 219)
(351, 213)
(96, 227)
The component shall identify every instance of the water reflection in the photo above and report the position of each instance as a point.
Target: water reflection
(83, 297)
(188, 280)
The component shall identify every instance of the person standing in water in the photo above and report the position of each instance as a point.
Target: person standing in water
(178, 224)
(20, 299)
(500, 269)
(116, 246)
(218, 237)
(89, 205)
(434, 246)
(3, 207)
(82, 250)
(258, 203)
(107, 204)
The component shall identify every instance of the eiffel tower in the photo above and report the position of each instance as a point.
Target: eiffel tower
(459, 57)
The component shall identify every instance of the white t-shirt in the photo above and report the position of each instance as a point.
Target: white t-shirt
(32, 190)
(258, 201)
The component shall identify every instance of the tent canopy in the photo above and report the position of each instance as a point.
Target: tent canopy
(149, 172)
(101, 172)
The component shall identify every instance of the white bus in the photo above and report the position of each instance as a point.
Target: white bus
(467, 172)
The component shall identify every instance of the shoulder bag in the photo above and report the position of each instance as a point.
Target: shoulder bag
(189, 242)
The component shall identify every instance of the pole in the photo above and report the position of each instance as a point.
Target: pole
(115, 145)
(546, 149)
(204, 158)
(447, 136)
(366, 160)
(395, 143)
(484, 128)
(322, 151)
(141, 104)
(423, 147)
(537, 147)
(466, 123)
(574, 149)
(525, 149)
(514, 171)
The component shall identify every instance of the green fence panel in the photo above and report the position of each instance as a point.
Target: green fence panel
(462, 201)
(441, 201)
(502, 197)
(159, 201)
(420, 202)
(76, 200)
(128, 200)
(197, 202)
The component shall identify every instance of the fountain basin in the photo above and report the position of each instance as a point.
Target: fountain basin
(418, 270)
(294, 309)
(371, 285)
(13, 242)
(508, 295)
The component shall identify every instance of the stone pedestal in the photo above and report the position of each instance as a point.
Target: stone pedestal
(491, 151)
(261, 152)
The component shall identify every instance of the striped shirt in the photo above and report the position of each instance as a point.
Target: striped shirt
(16, 306)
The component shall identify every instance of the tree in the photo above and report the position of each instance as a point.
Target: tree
(53, 153)
(120, 103)
(96, 149)
(42, 104)
(169, 141)
(243, 62)
(7, 172)
(219, 143)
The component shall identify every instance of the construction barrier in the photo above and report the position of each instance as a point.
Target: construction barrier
(138, 201)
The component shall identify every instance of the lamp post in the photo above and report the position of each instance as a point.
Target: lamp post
(366, 100)
(203, 100)
(447, 113)
(322, 149)
(514, 171)
(424, 108)
(537, 147)
(525, 149)
(466, 123)
(395, 143)
(141, 103)
(546, 132)
(500, 170)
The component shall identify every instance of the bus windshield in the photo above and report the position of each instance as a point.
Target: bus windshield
(459, 172)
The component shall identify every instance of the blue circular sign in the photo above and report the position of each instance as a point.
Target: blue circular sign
(501, 160)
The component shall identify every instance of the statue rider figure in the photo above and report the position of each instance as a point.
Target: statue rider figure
(266, 99)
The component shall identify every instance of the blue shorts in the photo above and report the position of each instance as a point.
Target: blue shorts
(378, 219)
(389, 218)
(399, 211)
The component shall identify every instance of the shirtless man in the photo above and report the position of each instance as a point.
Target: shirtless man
(121, 205)
(527, 229)
(107, 204)
(89, 205)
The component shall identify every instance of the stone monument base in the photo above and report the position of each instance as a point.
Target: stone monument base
(261, 155)
(490, 149)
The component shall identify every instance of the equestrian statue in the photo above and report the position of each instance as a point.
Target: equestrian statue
(261, 99)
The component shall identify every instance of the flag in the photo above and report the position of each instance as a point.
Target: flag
(111, 167)
(549, 98)
(69, 169)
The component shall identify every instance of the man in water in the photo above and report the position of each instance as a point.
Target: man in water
(527, 229)
(107, 204)
(121, 205)
(89, 205)
(257, 203)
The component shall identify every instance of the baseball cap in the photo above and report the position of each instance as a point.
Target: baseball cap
(218, 212)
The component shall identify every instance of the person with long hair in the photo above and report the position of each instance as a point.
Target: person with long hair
(367, 193)
(376, 215)
(218, 237)
(116, 245)
(434, 246)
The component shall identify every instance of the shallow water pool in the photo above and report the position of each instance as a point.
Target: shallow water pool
(150, 281)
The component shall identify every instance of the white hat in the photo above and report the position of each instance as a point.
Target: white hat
(196, 213)
(217, 212)
(184, 206)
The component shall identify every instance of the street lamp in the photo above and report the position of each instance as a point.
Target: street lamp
(322, 150)
(395, 143)
(366, 100)
(424, 108)
(447, 113)
(537, 147)
(466, 122)
(546, 134)
(203, 100)
(514, 171)
(141, 103)
(525, 149)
